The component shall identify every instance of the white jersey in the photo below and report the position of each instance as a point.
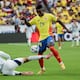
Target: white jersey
(75, 29)
(29, 31)
(3, 58)
(2, 61)
(8, 66)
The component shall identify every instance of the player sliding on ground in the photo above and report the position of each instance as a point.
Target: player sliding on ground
(8, 66)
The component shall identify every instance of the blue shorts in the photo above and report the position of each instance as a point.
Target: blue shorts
(61, 35)
(43, 44)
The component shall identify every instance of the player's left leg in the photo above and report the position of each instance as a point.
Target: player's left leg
(37, 57)
(42, 49)
(73, 41)
(29, 42)
(59, 41)
(41, 63)
(77, 39)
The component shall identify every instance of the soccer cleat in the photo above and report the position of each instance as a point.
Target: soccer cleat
(72, 45)
(60, 47)
(77, 45)
(42, 71)
(62, 66)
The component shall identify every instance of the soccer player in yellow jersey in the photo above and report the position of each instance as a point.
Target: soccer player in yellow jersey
(43, 21)
(60, 33)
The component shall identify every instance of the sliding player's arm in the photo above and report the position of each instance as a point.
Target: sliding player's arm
(5, 55)
(26, 73)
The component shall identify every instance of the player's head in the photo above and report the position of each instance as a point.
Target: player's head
(39, 10)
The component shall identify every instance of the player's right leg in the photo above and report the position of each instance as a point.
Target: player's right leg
(50, 42)
(77, 41)
(73, 41)
(57, 56)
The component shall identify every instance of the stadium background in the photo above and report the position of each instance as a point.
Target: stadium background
(66, 10)
(12, 11)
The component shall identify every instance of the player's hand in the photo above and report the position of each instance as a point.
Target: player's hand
(29, 73)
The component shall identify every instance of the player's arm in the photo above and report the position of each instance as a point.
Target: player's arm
(51, 31)
(5, 55)
(62, 25)
(27, 22)
(26, 73)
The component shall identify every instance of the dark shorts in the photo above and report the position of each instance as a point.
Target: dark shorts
(44, 44)
(61, 35)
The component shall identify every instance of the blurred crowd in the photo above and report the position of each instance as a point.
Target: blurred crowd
(65, 10)
(12, 11)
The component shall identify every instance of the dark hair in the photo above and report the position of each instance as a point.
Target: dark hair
(79, 13)
(39, 7)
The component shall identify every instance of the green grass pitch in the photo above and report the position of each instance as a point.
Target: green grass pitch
(70, 56)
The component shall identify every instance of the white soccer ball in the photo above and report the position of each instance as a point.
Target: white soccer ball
(34, 49)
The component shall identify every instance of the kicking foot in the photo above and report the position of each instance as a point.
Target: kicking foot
(41, 71)
(62, 66)
(72, 45)
(60, 47)
(77, 45)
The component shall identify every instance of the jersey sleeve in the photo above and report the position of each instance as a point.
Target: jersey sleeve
(33, 21)
(53, 18)
(5, 55)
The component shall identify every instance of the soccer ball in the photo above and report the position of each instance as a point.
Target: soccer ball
(34, 49)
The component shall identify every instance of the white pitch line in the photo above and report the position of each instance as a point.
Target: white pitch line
(17, 44)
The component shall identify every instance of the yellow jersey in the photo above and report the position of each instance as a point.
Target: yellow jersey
(59, 28)
(43, 24)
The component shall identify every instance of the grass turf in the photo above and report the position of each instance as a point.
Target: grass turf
(70, 56)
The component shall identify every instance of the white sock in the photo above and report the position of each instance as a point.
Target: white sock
(61, 63)
(29, 42)
(73, 42)
(36, 57)
(77, 42)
